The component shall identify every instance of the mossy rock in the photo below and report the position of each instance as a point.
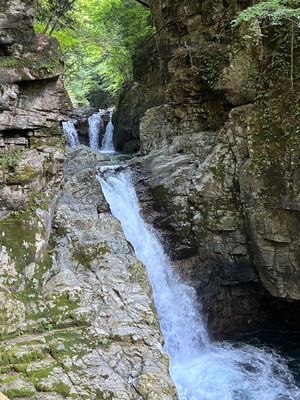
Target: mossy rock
(23, 175)
(138, 274)
(14, 387)
(18, 355)
(39, 67)
(61, 388)
(18, 235)
(8, 161)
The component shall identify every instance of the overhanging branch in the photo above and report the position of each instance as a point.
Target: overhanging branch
(143, 3)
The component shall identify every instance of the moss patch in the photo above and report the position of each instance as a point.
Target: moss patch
(13, 393)
(85, 255)
(139, 275)
(61, 308)
(17, 355)
(40, 67)
(9, 160)
(22, 175)
(18, 235)
(61, 388)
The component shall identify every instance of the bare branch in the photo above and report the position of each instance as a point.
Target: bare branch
(143, 3)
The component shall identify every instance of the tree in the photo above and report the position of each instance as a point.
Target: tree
(54, 14)
(98, 39)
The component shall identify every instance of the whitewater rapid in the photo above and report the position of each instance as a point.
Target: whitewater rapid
(200, 368)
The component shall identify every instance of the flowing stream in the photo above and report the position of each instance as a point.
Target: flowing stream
(71, 133)
(200, 368)
(107, 142)
(95, 124)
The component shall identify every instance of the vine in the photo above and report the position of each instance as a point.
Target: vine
(274, 13)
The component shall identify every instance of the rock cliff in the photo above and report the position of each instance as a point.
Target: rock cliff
(220, 157)
(32, 103)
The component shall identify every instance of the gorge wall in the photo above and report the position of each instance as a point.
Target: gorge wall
(220, 144)
(77, 319)
(33, 102)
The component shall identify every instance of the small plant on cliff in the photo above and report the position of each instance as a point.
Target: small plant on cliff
(274, 13)
(9, 160)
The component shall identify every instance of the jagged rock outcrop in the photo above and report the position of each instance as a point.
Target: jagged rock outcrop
(32, 94)
(32, 103)
(220, 159)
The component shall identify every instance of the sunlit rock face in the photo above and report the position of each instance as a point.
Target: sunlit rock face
(220, 157)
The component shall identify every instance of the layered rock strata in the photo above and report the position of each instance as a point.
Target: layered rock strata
(33, 102)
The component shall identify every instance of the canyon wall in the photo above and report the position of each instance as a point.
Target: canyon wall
(221, 159)
(32, 104)
(76, 310)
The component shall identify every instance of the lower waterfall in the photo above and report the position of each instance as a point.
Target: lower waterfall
(200, 368)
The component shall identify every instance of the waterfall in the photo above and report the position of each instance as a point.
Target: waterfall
(107, 142)
(71, 133)
(95, 124)
(200, 368)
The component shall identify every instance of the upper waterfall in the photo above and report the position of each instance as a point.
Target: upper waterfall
(107, 142)
(200, 368)
(71, 133)
(95, 124)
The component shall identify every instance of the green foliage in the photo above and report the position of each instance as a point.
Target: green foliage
(99, 44)
(55, 14)
(272, 11)
(274, 14)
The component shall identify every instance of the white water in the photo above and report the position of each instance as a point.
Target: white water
(107, 142)
(95, 124)
(201, 369)
(71, 133)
